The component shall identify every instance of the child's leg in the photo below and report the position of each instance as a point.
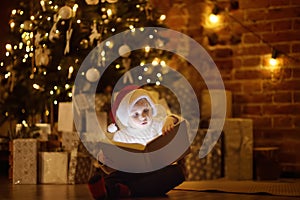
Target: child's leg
(158, 182)
(108, 187)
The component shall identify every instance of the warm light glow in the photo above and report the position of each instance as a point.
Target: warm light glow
(213, 18)
(118, 66)
(36, 86)
(67, 86)
(12, 25)
(147, 49)
(8, 47)
(157, 83)
(109, 12)
(71, 69)
(13, 12)
(273, 62)
(140, 77)
(162, 17)
(155, 62)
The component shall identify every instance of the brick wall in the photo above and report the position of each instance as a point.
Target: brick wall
(240, 46)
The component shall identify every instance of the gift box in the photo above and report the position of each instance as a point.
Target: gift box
(69, 140)
(81, 168)
(24, 161)
(238, 143)
(53, 167)
(209, 167)
(66, 117)
(96, 125)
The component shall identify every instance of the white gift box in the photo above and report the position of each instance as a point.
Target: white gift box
(238, 136)
(24, 164)
(53, 167)
(70, 140)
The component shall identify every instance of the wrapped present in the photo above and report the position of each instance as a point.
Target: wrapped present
(238, 144)
(69, 140)
(53, 167)
(66, 118)
(81, 167)
(96, 123)
(24, 161)
(209, 167)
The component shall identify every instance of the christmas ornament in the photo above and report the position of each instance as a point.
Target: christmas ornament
(124, 50)
(95, 35)
(92, 74)
(92, 2)
(65, 12)
(54, 34)
(42, 56)
(68, 36)
(37, 39)
(112, 1)
(84, 44)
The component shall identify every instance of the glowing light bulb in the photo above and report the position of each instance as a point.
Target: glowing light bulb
(213, 18)
(273, 62)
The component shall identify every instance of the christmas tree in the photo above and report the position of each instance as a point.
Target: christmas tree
(50, 40)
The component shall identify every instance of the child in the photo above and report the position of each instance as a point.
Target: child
(138, 119)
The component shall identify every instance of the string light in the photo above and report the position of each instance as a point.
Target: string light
(213, 17)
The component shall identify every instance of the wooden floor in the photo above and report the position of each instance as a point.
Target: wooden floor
(9, 191)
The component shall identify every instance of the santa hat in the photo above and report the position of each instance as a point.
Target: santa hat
(124, 102)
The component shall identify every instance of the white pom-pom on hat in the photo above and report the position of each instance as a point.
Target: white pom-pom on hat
(112, 128)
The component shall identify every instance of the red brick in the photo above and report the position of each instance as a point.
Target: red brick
(282, 36)
(252, 50)
(296, 25)
(279, 3)
(233, 86)
(297, 121)
(295, 2)
(295, 48)
(224, 64)
(261, 26)
(222, 53)
(253, 61)
(255, 15)
(282, 25)
(283, 121)
(283, 85)
(253, 4)
(252, 74)
(253, 98)
(282, 97)
(283, 13)
(252, 86)
(262, 122)
(282, 47)
(251, 110)
(249, 38)
(297, 97)
(278, 109)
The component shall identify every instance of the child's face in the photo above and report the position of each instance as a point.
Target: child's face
(140, 115)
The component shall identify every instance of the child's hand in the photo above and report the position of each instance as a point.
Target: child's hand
(169, 125)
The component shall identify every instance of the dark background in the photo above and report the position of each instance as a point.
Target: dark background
(5, 11)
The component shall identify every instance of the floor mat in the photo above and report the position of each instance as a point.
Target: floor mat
(280, 188)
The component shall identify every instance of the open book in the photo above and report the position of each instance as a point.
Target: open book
(163, 150)
(157, 142)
